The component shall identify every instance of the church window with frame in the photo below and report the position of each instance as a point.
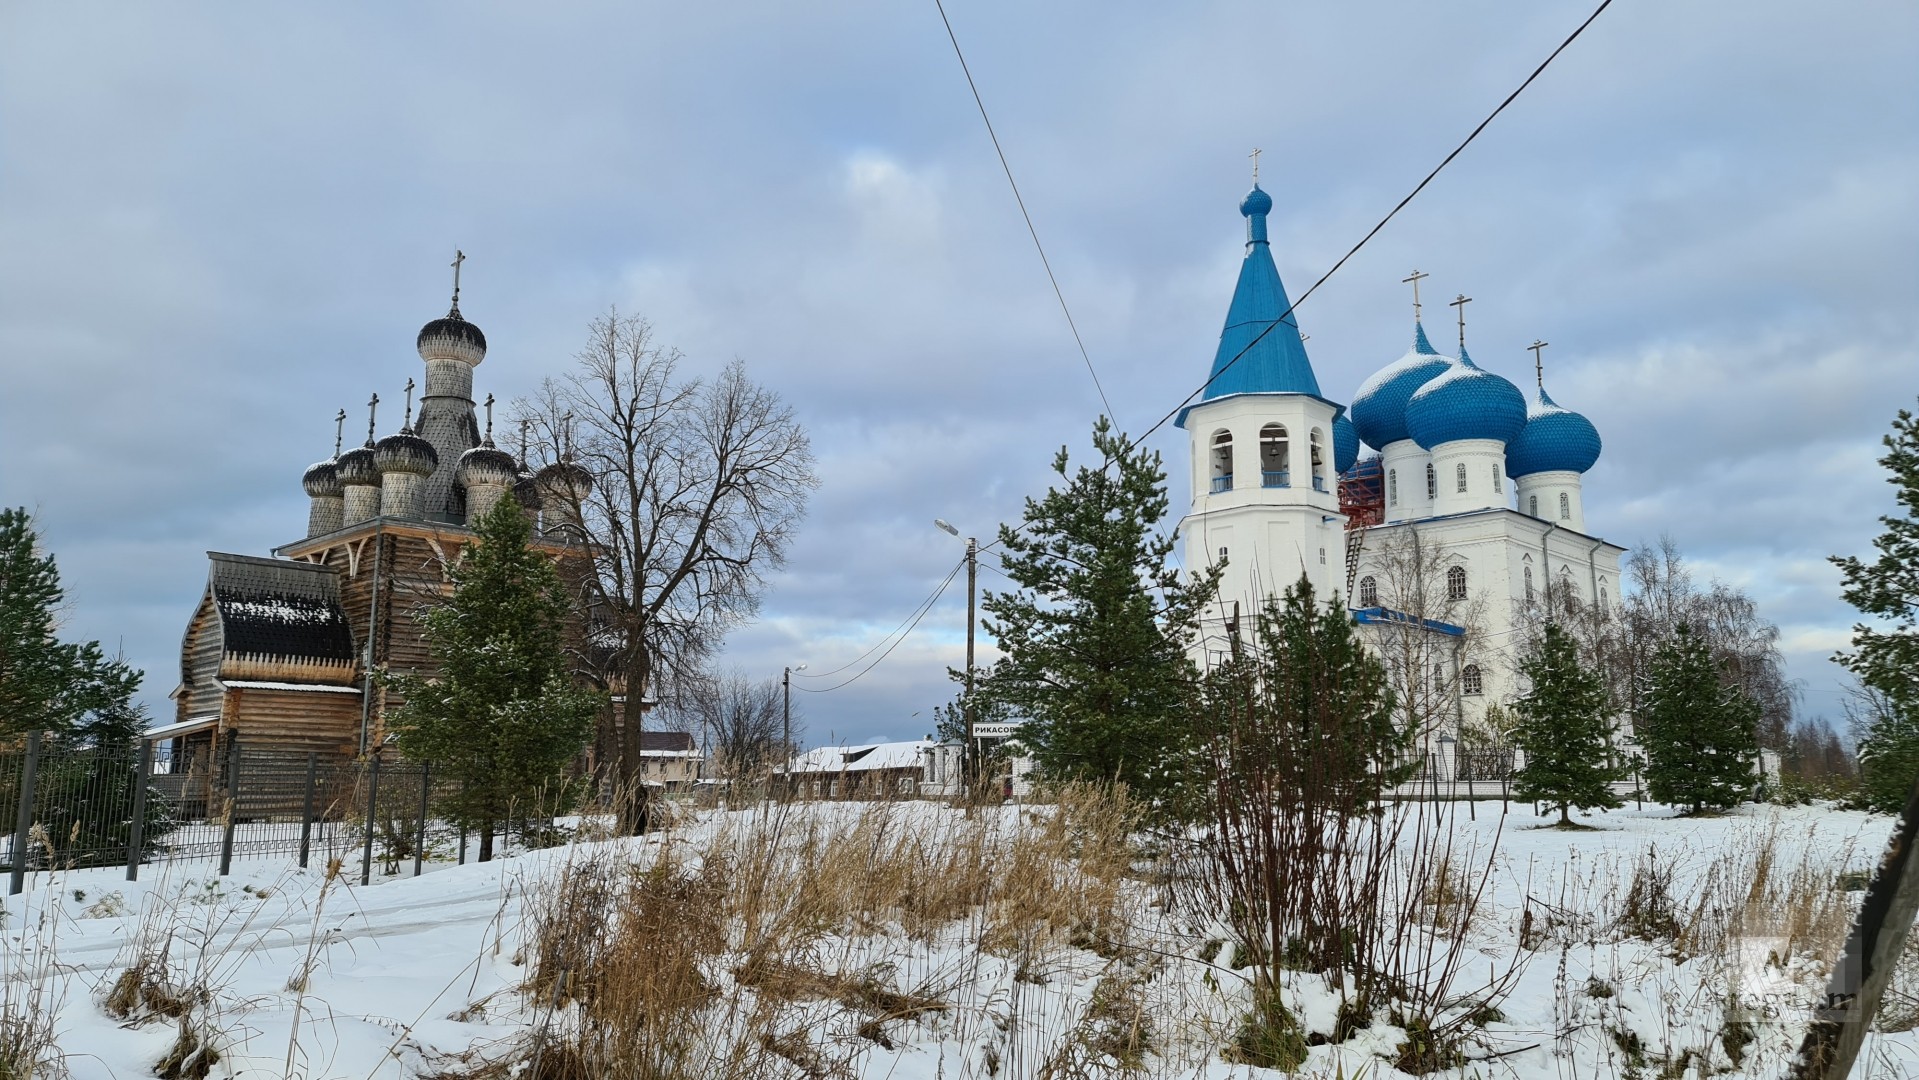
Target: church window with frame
(1275, 457)
(1565, 507)
(1459, 477)
(1392, 487)
(1439, 679)
(1498, 485)
(1222, 463)
(1432, 481)
(1529, 584)
(1471, 681)
(1532, 505)
(1456, 583)
(1369, 591)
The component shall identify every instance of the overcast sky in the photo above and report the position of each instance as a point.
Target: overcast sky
(220, 223)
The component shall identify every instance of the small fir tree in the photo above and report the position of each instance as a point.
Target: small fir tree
(503, 718)
(1565, 729)
(1094, 640)
(1698, 730)
(1885, 655)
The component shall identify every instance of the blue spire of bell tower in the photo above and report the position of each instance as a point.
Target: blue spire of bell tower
(1277, 363)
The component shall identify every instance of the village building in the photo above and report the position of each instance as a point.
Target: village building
(867, 771)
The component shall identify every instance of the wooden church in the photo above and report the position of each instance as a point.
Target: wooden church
(282, 652)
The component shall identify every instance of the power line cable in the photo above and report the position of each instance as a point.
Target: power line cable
(1041, 248)
(1394, 212)
(917, 616)
(923, 605)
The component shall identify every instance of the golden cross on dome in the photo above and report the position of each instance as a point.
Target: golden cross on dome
(339, 431)
(1460, 302)
(1414, 282)
(1539, 369)
(372, 410)
(1255, 156)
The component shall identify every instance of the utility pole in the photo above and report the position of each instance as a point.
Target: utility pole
(969, 764)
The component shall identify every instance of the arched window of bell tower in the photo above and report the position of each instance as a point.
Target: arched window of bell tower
(1318, 439)
(1222, 460)
(1275, 457)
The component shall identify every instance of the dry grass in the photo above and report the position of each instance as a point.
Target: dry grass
(738, 956)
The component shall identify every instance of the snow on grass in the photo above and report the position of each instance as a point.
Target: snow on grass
(906, 941)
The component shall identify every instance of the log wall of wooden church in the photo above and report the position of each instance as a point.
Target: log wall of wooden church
(200, 665)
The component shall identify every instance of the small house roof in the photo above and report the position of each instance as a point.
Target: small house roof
(278, 607)
(867, 757)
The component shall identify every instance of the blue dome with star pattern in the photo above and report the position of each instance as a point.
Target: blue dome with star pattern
(1554, 439)
(1465, 402)
(1379, 408)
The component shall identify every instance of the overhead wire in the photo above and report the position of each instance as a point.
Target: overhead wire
(1018, 198)
(902, 635)
(937, 590)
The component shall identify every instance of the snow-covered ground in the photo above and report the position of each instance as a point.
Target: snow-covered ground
(403, 976)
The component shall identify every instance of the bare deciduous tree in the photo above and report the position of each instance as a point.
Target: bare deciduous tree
(685, 491)
(1414, 581)
(741, 721)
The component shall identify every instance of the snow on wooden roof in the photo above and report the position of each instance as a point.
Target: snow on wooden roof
(869, 757)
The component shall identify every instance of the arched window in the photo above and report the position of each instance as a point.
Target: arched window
(1532, 505)
(1318, 440)
(1565, 506)
(1456, 583)
(1275, 457)
(1392, 487)
(1439, 678)
(1529, 584)
(1602, 595)
(1459, 477)
(1222, 460)
(1471, 681)
(1497, 485)
(1369, 591)
(1432, 481)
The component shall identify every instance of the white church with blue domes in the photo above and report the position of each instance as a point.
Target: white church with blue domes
(1462, 468)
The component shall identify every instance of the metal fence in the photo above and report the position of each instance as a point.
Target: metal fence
(92, 806)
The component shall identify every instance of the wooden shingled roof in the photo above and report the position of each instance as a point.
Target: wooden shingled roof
(276, 607)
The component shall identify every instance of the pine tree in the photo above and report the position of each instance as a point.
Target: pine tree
(504, 717)
(1699, 731)
(1565, 729)
(1885, 656)
(1094, 641)
(45, 684)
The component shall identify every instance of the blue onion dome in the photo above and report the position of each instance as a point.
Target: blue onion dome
(452, 338)
(322, 480)
(487, 464)
(1379, 408)
(1256, 202)
(1345, 444)
(357, 466)
(1466, 402)
(1553, 439)
(406, 452)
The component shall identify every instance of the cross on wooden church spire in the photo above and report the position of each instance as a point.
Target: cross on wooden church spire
(372, 410)
(489, 419)
(339, 431)
(1414, 282)
(1539, 369)
(1460, 302)
(406, 425)
(458, 258)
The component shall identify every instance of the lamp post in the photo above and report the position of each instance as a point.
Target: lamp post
(786, 717)
(967, 764)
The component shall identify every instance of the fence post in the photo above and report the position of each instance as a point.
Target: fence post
(233, 803)
(419, 842)
(372, 796)
(137, 835)
(306, 809)
(23, 821)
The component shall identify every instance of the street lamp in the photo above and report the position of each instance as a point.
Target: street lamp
(966, 709)
(786, 715)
